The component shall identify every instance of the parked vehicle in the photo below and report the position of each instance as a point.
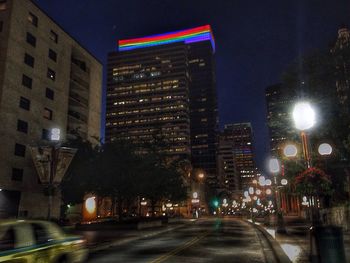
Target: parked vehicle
(33, 241)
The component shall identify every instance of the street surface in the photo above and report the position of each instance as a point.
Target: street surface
(207, 240)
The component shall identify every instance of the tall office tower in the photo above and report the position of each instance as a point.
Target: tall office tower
(227, 173)
(241, 137)
(165, 84)
(340, 51)
(47, 80)
(279, 118)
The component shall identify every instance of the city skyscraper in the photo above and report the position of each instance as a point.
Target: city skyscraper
(165, 85)
(279, 106)
(341, 57)
(47, 80)
(227, 173)
(240, 136)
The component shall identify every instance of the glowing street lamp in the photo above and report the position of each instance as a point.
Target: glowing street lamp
(304, 116)
(284, 182)
(274, 165)
(325, 149)
(262, 181)
(290, 150)
(268, 182)
(201, 175)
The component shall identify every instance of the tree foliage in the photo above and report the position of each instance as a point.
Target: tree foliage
(121, 171)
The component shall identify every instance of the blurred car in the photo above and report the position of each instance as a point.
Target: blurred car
(34, 241)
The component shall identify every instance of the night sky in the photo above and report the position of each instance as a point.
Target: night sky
(255, 40)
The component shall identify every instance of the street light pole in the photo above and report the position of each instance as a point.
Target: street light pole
(51, 162)
(274, 166)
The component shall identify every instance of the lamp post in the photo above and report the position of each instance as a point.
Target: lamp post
(274, 166)
(51, 162)
(304, 119)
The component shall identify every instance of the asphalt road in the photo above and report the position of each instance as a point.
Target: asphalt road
(209, 240)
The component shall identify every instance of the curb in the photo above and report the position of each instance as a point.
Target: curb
(277, 251)
(130, 239)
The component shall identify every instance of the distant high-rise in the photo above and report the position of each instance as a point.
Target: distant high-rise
(165, 84)
(340, 52)
(279, 119)
(241, 137)
(228, 176)
(47, 80)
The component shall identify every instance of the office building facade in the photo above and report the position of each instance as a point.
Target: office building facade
(47, 80)
(341, 58)
(228, 176)
(165, 85)
(240, 136)
(279, 105)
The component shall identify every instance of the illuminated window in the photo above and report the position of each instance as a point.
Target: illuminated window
(53, 36)
(51, 74)
(47, 114)
(33, 19)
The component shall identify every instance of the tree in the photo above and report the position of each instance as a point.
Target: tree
(161, 182)
(119, 171)
(80, 176)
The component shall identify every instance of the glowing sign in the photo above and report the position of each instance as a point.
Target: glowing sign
(55, 134)
(197, 34)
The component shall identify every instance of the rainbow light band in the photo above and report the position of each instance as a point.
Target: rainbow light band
(197, 34)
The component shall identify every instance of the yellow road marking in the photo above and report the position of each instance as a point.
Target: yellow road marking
(181, 248)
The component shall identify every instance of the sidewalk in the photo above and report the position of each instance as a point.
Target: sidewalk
(104, 239)
(296, 243)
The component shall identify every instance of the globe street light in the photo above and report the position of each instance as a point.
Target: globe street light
(51, 162)
(290, 150)
(304, 116)
(325, 149)
(274, 165)
(262, 181)
(201, 175)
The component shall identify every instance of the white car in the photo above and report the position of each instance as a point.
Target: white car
(39, 242)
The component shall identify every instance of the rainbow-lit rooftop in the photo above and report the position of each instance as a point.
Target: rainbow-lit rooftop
(197, 34)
